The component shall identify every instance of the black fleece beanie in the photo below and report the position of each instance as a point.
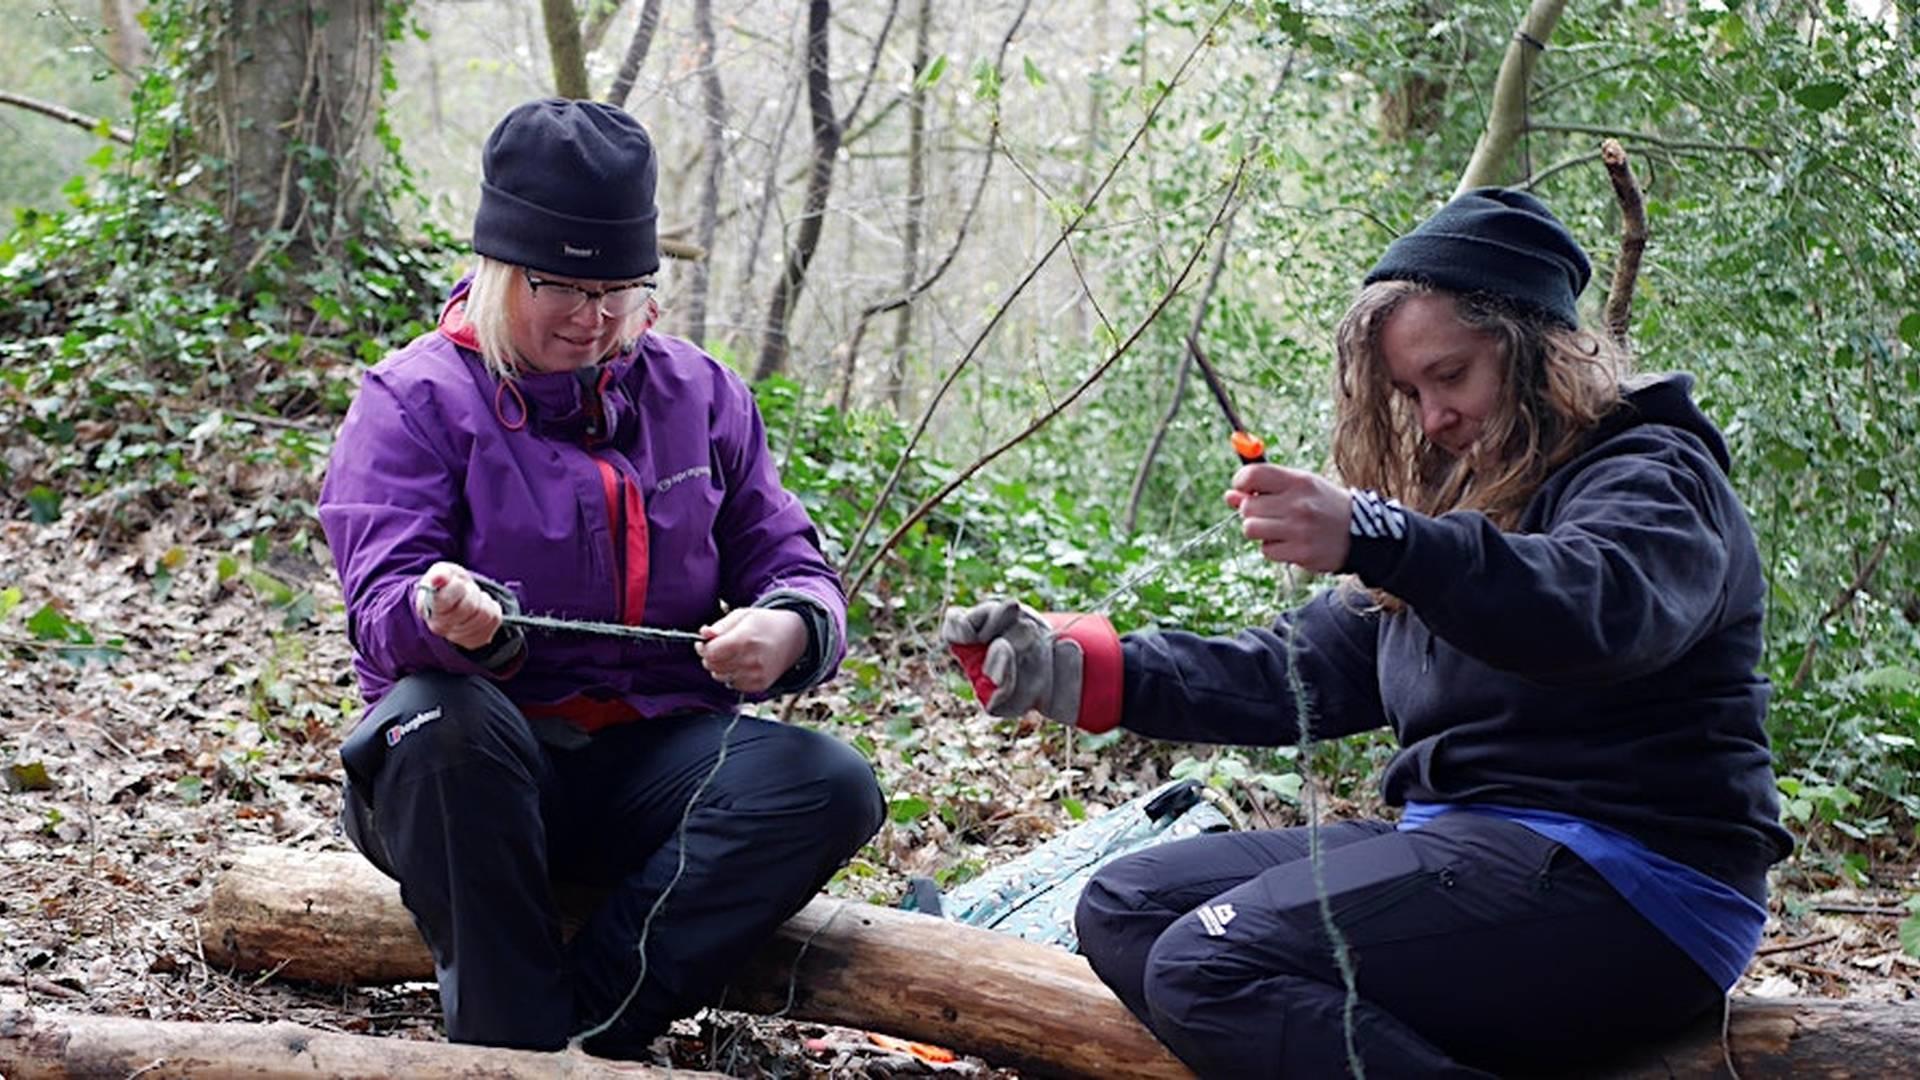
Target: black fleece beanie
(568, 188)
(1498, 241)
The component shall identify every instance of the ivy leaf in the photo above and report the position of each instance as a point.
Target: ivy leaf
(1034, 78)
(48, 624)
(931, 73)
(907, 809)
(1822, 96)
(28, 776)
(1910, 329)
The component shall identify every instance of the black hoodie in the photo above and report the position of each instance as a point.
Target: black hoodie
(1598, 660)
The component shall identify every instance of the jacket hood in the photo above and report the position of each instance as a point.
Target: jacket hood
(1666, 399)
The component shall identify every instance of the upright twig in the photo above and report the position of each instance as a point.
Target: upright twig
(1193, 346)
(1152, 316)
(826, 147)
(636, 54)
(1633, 240)
(1006, 303)
(713, 101)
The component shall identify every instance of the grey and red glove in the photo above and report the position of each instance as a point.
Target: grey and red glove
(1066, 667)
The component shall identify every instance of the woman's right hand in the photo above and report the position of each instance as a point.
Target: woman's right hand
(455, 607)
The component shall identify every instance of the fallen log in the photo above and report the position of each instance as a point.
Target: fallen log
(51, 1046)
(331, 918)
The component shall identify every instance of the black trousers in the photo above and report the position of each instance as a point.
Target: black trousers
(451, 794)
(1479, 947)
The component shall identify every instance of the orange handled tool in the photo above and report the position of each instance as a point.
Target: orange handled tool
(1249, 447)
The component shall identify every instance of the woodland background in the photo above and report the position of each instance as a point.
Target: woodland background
(966, 253)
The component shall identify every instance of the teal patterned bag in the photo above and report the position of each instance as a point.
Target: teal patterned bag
(1033, 896)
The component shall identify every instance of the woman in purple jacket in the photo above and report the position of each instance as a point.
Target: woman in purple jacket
(1555, 604)
(545, 450)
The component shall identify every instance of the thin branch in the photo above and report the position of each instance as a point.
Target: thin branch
(1633, 240)
(1650, 139)
(1840, 603)
(65, 115)
(873, 66)
(636, 54)
(1000, 310)
(1200, 306)
(901, 300)
(600, 15)
(1153, 316)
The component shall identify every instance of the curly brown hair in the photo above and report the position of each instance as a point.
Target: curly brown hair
(1558, 383)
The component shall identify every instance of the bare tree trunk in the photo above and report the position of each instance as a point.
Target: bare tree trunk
(826, 146)
(713, 100)
(1507, 120)
(636, 54)
(296, 92)
(600, 16)
(769, 199)
(564, 48)
(916, 208)
(126, 42)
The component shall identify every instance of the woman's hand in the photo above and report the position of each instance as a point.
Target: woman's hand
(750, 648)
(455, 607)
(1298, 517)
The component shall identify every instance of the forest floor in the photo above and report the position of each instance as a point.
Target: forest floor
(211, 723)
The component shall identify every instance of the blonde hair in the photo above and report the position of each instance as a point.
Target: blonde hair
(495, 299)
(1557, 384)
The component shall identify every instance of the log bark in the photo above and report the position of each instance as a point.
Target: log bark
(53, 1046)
(329, 917)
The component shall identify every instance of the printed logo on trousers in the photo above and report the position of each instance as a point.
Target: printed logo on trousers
(1215, 918)
(420, 720)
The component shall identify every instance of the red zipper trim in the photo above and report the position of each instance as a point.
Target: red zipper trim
(627, 526)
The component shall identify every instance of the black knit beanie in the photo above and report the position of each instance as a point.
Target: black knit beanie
(568, 188)
(1498, 241)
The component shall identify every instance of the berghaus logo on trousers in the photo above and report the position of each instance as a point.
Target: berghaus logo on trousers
(420, 720)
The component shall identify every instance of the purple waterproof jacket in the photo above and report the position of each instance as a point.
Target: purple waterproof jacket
(637, 491)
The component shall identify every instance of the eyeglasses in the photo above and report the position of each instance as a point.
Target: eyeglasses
(559, 300)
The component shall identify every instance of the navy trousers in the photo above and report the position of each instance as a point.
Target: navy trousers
(450, 793)
(1479, 947)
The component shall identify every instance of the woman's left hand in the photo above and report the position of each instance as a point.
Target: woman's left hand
(749, 648)
(1298, 517)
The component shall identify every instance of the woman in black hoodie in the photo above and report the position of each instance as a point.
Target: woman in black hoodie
(1554, 600)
